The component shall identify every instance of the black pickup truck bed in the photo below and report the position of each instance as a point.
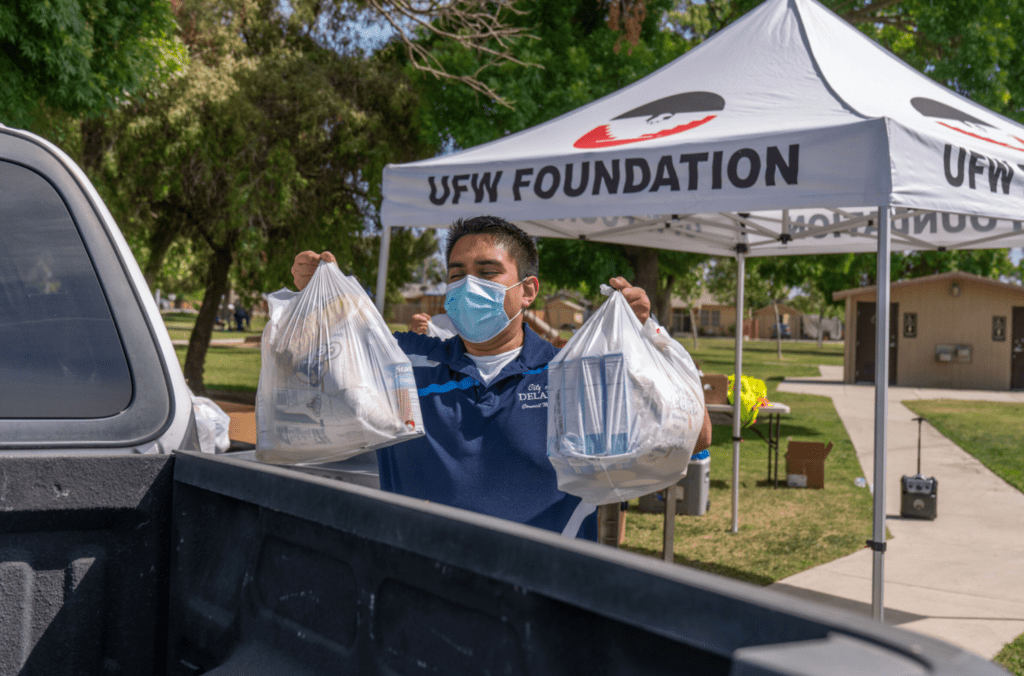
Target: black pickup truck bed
(199, 564)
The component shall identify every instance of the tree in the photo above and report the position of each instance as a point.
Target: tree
(267, 144)
(766, 281)
(689, 286)
(64, 61)
(580, 266)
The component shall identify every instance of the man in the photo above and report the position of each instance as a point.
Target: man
(484, 450)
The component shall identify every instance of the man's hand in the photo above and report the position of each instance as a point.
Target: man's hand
(635, 296)
(305, 265)
(418, 323)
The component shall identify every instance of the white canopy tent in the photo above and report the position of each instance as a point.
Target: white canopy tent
(787, 133)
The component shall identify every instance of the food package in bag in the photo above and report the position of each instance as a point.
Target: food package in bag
(333, 383)
(625, 407)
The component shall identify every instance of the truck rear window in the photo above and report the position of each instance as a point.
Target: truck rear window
(60, 353)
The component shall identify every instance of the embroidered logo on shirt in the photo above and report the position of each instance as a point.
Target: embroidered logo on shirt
(535, 395)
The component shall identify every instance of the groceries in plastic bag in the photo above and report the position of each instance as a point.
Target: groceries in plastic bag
(212, 424)
(625, 407)
(334, 382)
(753, 395)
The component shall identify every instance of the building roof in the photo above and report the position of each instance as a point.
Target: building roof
(571, 296)
(783, 310)
(706, 298)
(955, 276)
(567, 303)
(416, 290)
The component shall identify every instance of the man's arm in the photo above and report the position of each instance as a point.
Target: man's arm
(704, 438)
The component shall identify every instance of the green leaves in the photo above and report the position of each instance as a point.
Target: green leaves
(81, 56)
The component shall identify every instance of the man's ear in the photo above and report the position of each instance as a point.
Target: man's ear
(531, 287)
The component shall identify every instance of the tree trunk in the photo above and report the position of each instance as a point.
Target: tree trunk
(159, 242)
(778, 329)
(645, 270)
(199, 341)
(693, 328)
(94, 142)
(821, 327)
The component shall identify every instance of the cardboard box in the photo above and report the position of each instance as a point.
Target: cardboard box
(807, 458)
(716, 389)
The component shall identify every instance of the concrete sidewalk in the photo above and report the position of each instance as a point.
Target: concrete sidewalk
(959, 578)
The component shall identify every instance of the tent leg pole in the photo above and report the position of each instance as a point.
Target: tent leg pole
(881, 412)
(737, 390)
(382, 268)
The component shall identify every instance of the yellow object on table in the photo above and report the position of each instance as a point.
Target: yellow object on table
(753, 395)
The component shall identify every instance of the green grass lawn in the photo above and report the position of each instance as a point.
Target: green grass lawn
(1012, 656)
(990, 431)
(228, 368)
(179, 325)
(781, 531)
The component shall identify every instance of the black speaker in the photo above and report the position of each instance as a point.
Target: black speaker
(919, 497)
(920, 494)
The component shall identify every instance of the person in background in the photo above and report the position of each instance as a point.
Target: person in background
(485, 449)
(241, 317)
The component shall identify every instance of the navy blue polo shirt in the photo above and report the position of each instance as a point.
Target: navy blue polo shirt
(485, 446)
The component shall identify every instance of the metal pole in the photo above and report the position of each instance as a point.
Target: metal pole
(881, 412)
(382, 267)
(737, 389)
(668, 552)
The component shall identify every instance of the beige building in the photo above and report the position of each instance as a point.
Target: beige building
(564, 314)
(952, 330)
(714, 318)
(419, 299)
(788, 315)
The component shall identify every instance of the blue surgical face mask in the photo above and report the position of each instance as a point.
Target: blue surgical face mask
(477, 308)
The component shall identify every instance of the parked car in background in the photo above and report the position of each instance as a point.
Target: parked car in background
(785, 330)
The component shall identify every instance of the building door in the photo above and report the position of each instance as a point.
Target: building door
(1017, 350)
(864, 352)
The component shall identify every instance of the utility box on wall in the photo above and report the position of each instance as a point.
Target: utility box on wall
(949, 354)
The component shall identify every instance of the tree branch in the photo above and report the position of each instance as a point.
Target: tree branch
(869, 12)
(475, 25)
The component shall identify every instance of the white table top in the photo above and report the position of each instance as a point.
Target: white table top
(771, 407)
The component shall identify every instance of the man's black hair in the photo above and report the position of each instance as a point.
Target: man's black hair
(517, 243)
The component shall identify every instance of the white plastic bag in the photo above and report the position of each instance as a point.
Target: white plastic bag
(333, 383)
(212, 424)
(625, 407)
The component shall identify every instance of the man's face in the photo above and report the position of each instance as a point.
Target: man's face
(480, 256)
